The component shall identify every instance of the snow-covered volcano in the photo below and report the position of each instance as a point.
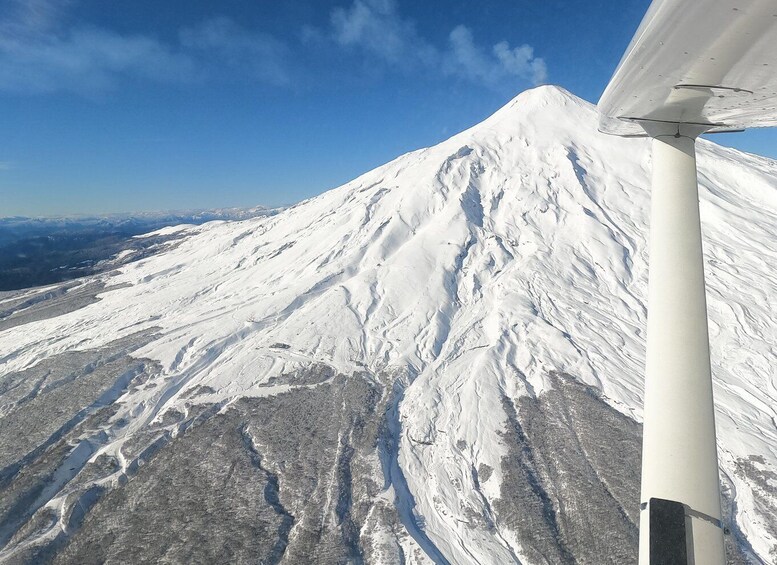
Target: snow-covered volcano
(440, 361)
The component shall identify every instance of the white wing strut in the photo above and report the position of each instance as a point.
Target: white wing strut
(693, 67)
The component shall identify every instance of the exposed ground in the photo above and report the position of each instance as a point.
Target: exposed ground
(300, 477)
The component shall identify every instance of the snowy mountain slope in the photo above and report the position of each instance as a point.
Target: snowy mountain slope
(462, 283)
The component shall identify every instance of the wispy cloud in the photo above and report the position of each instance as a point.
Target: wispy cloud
(85, 60)
(377, 27)
(43, 48)
(6, 165)
(220, 41)
(470, 61)
(34, 15)
(39, 53)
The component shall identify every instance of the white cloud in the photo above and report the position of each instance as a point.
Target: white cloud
(503, 64)
(33, 15)
(42, 50)
(85, 60)
(6, 165)
(465, 58)
(223, 42)
(378, 28)
(521, 62)
(38, 53)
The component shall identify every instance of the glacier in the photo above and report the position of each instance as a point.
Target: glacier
(440, 361)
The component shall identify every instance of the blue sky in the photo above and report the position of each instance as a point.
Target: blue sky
(173, 104)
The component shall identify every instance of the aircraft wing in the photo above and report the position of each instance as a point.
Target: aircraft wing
(709, 62)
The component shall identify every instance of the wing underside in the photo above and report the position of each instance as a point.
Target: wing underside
(706, 62)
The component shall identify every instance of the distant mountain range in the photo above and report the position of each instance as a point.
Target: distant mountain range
(15, 227)
(38, 251)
